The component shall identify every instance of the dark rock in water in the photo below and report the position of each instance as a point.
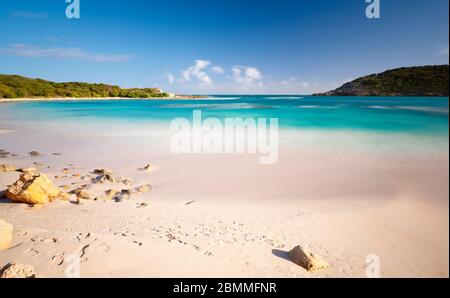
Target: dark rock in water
(57, 154)
(34, 153)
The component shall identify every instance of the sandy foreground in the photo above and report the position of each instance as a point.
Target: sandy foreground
(228, 216)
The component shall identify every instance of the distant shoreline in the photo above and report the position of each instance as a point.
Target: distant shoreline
(177, 97)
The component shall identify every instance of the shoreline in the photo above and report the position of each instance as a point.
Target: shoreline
(177, 97)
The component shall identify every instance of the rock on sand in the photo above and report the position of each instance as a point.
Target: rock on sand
(34, 188)
(307, 260)
(16, 270)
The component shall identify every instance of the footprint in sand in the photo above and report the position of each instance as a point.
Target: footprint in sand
(57, 260)
(141, 205)
(82, 253)
(125, 234)
(21, 234)
(83, 236)
(137, 243)
(103, 247)
(31, 252)
(49, 240)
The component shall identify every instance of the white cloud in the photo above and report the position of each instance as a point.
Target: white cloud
(246, 74)
(29, 15)
(197, 71)
(218, 69)
(170, 78)
(29, 51)
(246, 79)
(253, 73)
(294, 84)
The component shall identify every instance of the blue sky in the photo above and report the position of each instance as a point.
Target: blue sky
(220, 47)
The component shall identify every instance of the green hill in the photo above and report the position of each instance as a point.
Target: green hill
(13, 86)
(406, 81)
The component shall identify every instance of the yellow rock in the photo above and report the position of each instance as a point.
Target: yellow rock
(6, 234)
(308, 260)
(33, 188)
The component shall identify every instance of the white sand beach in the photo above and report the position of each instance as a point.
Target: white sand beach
(228, 216)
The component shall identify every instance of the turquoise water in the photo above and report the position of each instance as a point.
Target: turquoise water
(414, 115)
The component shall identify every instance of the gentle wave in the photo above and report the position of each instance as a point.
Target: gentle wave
(219, 98)
(318, 107)
(285, 97)
(423, 109)
(379, 107)
(192, 106)
(215, 106)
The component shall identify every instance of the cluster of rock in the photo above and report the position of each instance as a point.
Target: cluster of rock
(107, 176)
(36, 188)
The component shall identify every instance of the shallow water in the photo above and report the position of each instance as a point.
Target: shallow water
(384, 114)
(393, 125)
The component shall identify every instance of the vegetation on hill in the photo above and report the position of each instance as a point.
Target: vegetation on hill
(13, 86)
(406, 81)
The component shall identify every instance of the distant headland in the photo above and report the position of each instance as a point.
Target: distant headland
(19, 87)
(405, 81)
